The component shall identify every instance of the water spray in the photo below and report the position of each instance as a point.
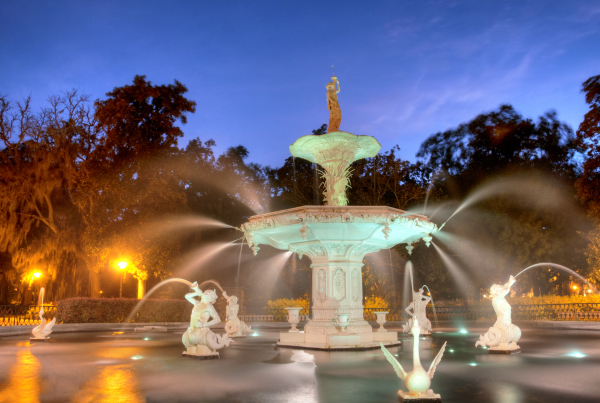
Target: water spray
(432, 306)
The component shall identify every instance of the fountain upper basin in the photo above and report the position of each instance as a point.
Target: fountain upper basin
(347, 232)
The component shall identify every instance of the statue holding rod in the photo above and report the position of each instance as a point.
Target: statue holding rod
(417, 309)
(335, 113)
(234, 326)
(198, 339)
(502, 338)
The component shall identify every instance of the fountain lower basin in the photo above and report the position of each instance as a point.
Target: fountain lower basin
(336, 239)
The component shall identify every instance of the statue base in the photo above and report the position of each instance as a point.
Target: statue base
(213, 356)
(504, 351)
(39, 340)
(505, 348)
(428, 397)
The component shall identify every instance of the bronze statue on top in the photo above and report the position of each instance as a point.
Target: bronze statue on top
(335, 113)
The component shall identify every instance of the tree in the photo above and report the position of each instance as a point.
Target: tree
(588, 184)
(42, 169)
(139, 120)
(517, 175)
(297, 182)
(136, 181)
(386, 180)
(588, 138)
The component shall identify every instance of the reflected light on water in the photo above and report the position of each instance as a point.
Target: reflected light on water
(113, 384)
(24, 383)
(576, 354)
(506, 393)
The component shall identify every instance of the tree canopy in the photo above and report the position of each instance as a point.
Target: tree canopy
(87, 184)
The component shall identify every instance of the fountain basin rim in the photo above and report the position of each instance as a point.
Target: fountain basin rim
(349, 211)
(372, 227)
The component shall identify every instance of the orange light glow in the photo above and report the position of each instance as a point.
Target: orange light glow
(37, 274)
(24, 383)
(574, 287)
(122, 265)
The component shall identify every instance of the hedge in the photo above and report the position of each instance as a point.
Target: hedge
(116, 310)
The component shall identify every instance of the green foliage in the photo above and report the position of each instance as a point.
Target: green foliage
(555, 299)
(116, 310)
(518, 177)
(82, 187)
(277, 307)
(42, 168)
(376, 303)
(139, 119)
(498, 141)
(539, 300)
(588, 138)
(588, 184)
(288, 303)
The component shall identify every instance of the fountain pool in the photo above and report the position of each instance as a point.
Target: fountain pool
(555, 366)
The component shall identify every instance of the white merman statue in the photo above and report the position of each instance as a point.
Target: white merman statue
(503, 336)
(234, 326)
(198, 339)
(43, 330)
(417, 309)
(417, 381)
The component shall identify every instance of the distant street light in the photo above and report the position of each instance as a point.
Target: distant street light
(28, 296)
(122, 266)
(34, 275)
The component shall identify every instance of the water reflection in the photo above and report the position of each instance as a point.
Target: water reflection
(24, 382)
(113, 384)
(506, 393)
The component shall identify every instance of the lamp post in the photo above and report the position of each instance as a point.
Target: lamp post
(28, 297)
(122, 266)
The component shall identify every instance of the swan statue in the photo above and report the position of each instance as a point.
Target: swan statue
(417, 381)
(43, 330)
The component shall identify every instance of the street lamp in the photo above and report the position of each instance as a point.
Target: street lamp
(27, 297)
(36, 274)
(122, 266)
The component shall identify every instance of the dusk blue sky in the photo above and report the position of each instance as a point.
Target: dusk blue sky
(258, 69)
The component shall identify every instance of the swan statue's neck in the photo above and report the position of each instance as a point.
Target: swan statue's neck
(416, 357)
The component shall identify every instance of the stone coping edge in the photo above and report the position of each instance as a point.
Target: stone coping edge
(7, 331)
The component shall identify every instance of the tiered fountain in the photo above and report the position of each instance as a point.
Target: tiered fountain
(337, 237)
